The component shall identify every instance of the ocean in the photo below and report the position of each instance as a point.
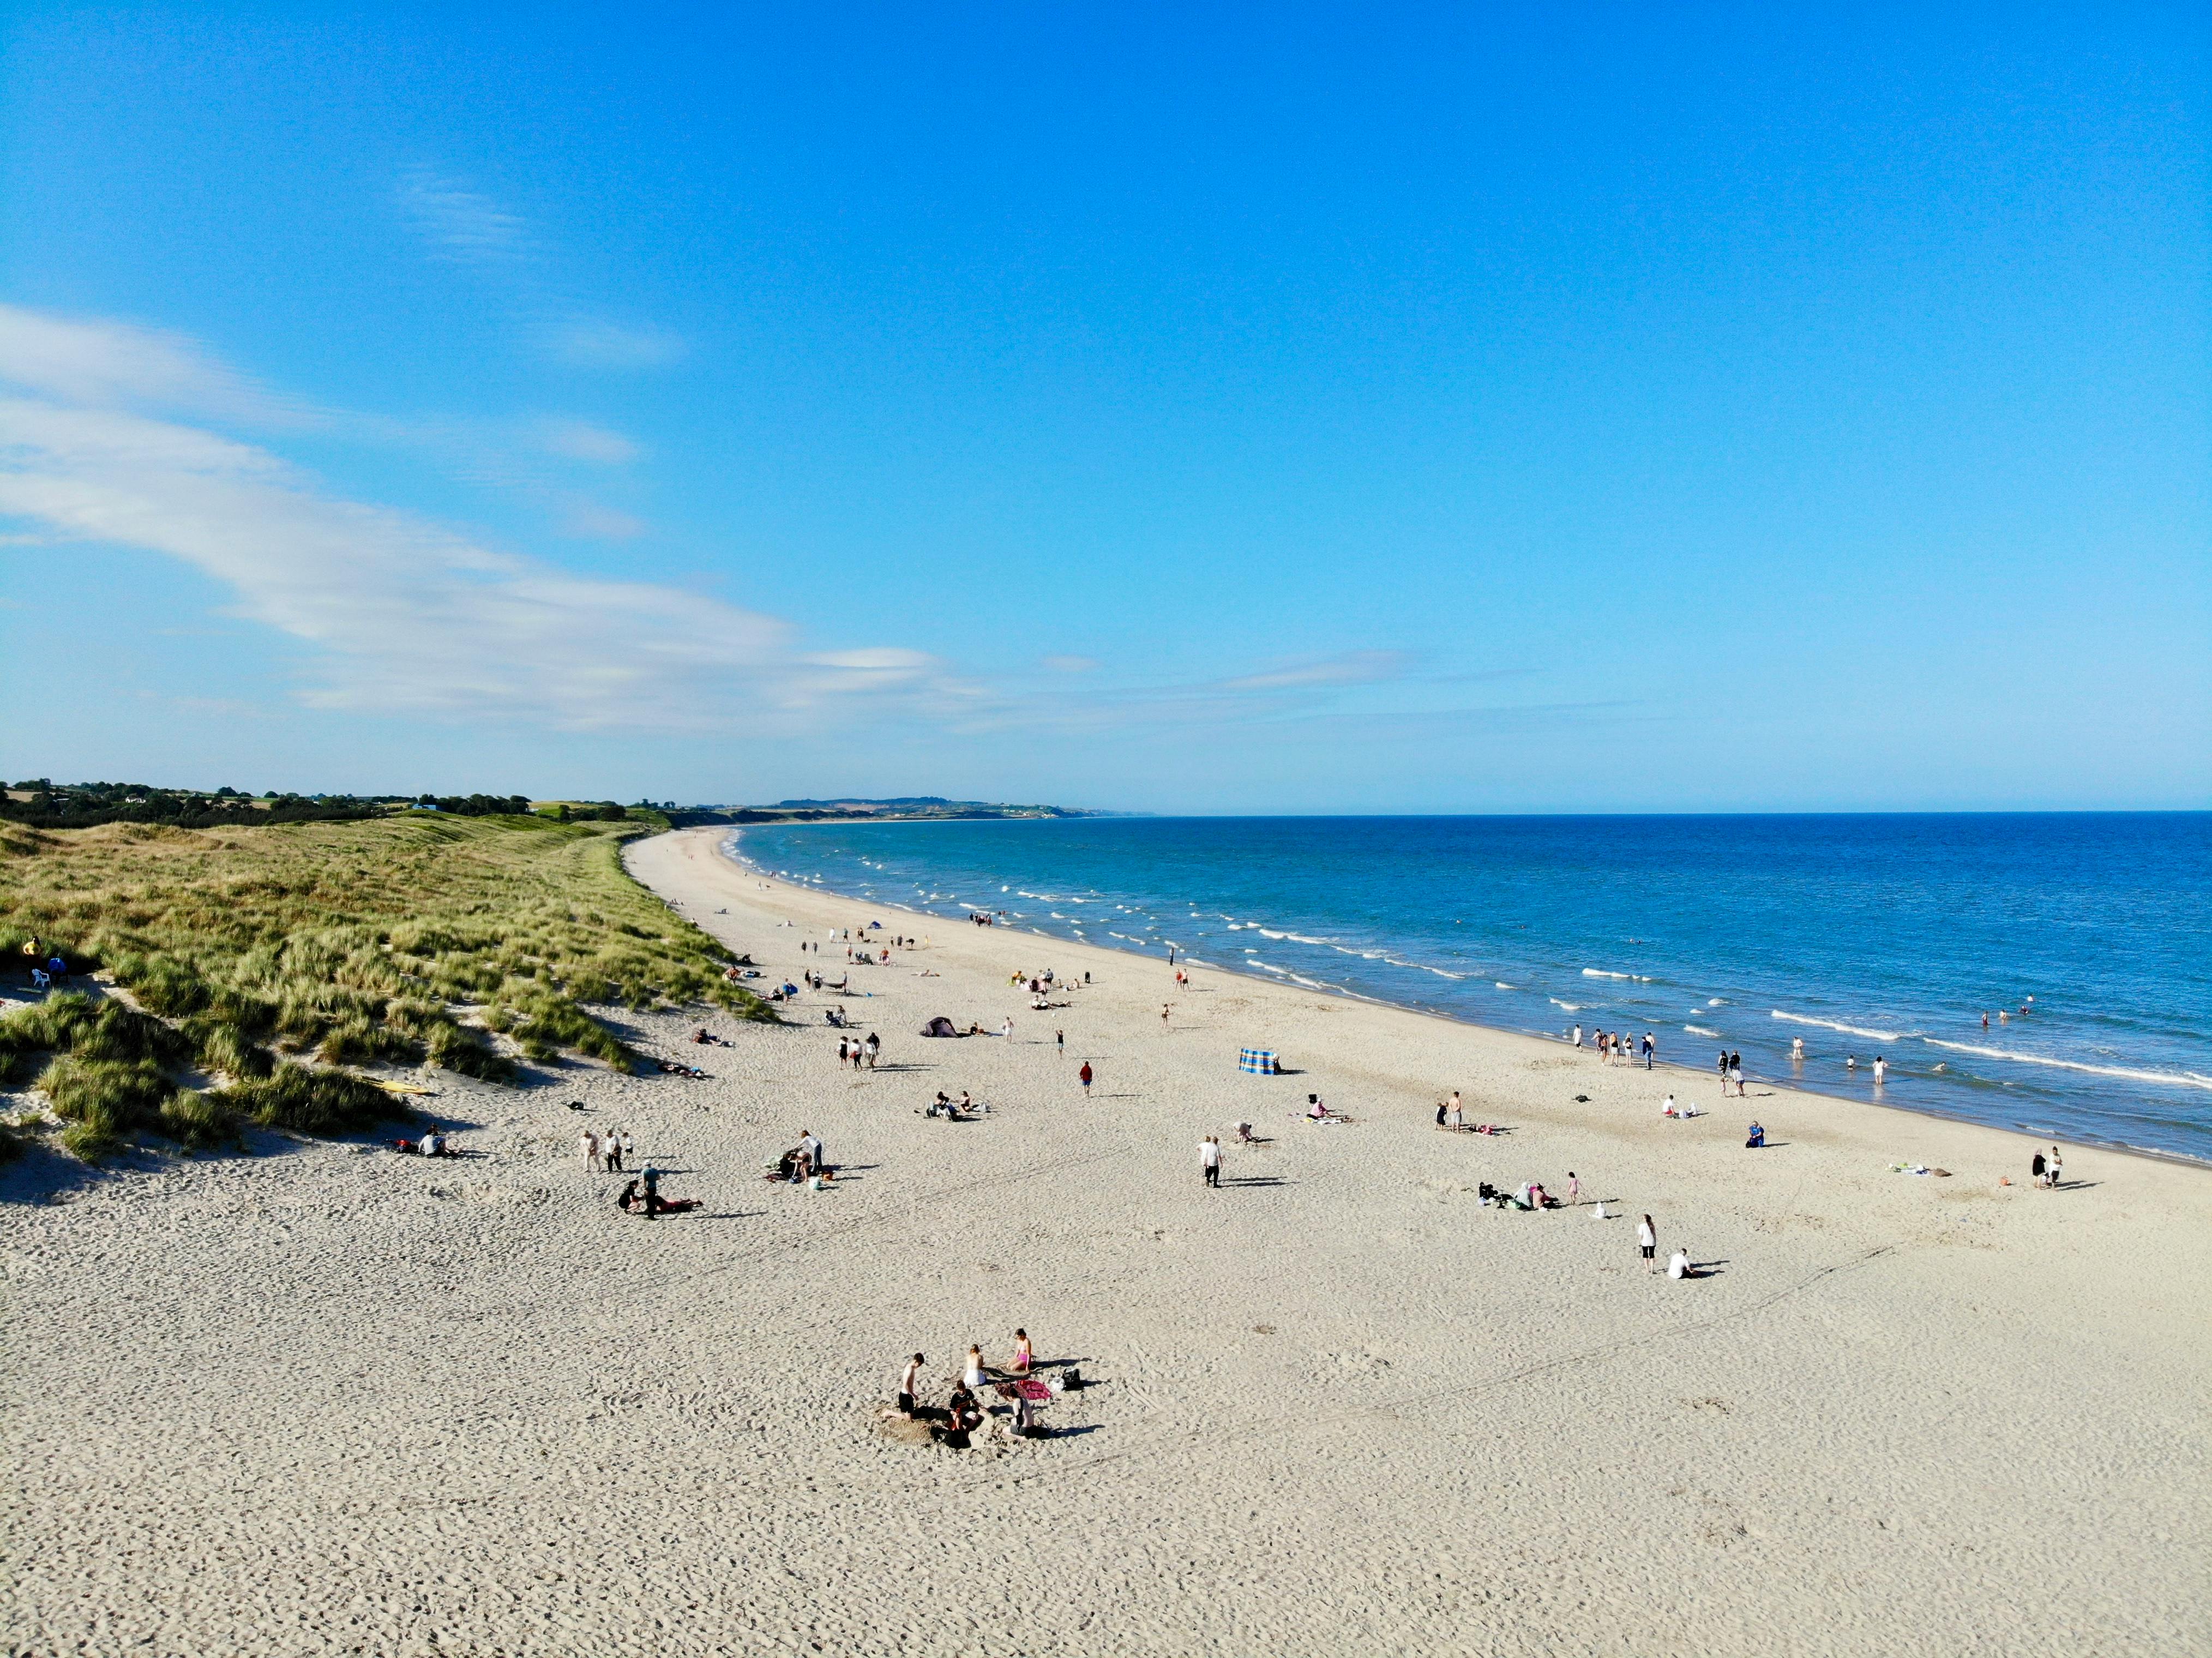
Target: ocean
(1865, 936)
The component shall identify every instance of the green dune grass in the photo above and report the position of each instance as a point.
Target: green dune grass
(269, 960)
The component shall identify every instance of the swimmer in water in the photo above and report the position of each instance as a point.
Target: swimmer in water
(1880, 1068)
(1797, 1050)
(1850, 1062)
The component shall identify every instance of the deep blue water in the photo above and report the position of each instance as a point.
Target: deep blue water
(1863, 935)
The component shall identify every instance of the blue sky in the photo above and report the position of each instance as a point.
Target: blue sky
(1183, 410)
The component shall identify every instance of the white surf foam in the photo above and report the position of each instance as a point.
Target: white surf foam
(1601, 972)
(1848, 1030)
(1699, 1031)
(1570, 1007)
(2170, 1078)
(1502, 985)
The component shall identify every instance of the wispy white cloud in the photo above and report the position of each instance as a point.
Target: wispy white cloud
(1346, 668)
(405, 614)
(578, 439)
(587, 520)
(105, 436)
(609, 345)
(461, 224)
(97, 362)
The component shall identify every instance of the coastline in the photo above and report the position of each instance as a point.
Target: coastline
(1337, 1403)
(733, 835)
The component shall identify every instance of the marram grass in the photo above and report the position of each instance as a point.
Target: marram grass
(399, 940)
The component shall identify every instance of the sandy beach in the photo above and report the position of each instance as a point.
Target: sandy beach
(328, 1398)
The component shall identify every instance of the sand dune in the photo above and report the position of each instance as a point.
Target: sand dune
(330, 1399)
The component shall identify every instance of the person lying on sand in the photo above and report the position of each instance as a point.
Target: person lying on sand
(650, 1203)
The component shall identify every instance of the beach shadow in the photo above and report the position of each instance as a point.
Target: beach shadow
(1254, 1180)
(2075, 1185)
(1076, 1432)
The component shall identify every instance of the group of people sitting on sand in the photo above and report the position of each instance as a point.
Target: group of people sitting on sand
(963, 1109)
(1670, 1109)
(803, 1164)
(964, 1410)
(431, 1143)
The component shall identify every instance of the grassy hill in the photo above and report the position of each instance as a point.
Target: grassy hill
(266, 962)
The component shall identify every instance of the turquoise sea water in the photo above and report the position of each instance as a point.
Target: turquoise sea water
(1863, 935)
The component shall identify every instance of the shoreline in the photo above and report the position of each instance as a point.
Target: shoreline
(733, 833)
(1340, 1401)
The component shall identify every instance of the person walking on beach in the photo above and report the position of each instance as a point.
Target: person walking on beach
(1651, 1048)
(591, 1151)
(1578, 1036)
(1647, 1240)
(1083, 1077)
(1735, 1074)
(2053, 1168)
(1574, 1189)
(610, 1152)
(1060, 1042)
(1163, 1015)
(1209, 1160)
(1721, 1065)
(875, 1049)
(627, 1148)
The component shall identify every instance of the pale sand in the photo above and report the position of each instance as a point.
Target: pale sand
(330, 1399)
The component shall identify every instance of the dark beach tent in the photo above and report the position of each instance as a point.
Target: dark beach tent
(940, 1026)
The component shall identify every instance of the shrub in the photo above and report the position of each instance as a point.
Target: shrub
(313, 1101)
(198, 1120)
(227, 1049)
(165, 987)
(105, 1102)
(46, 1026)
(453, 1048)
(359, 1042)
(120, 1033)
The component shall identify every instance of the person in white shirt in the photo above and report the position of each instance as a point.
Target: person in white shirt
(1578, 1036)
(1647, 1240)
(628, 1150)
(1209, 1159)
(590, 1149)
(1678, 1264)
(971, 1374)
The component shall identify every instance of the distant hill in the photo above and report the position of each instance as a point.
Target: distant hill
(900, 809)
